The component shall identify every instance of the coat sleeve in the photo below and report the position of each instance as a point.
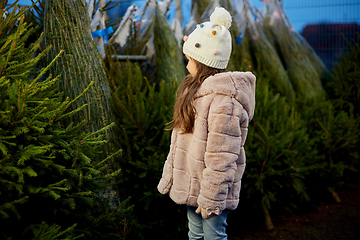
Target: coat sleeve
(167, 175)
(222, 150)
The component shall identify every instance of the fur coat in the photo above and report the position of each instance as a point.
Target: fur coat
(204, 168)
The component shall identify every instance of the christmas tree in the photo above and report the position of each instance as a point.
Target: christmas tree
(50, 175)
(169, 61)
(67, 28)
(280, 154)
(142, 111)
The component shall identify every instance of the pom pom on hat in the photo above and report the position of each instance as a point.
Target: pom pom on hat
(222, 17)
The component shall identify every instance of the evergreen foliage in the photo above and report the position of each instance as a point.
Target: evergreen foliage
(303, 69)
(45, 232)
(336, 139)
(148, 33)
(344, 84)
(169, 64)
(50, 175)
(280, 153)
(240, 59)
(201, 6)
(142, 111)
(336, 120)
(67, 28)
(263, 54)
(296, 150)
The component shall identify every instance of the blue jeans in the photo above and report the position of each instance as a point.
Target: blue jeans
(206, 229)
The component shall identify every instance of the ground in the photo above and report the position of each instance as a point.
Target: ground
(326, 220)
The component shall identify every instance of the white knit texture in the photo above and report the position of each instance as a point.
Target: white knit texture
(210, 42)
(221, 17)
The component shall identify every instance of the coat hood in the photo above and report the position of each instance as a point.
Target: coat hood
(239, 85)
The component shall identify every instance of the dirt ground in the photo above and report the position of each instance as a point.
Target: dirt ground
(326, 220)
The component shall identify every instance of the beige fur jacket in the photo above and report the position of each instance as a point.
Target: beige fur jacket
(204, 168)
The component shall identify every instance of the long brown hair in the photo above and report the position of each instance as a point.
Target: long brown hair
(184, 111)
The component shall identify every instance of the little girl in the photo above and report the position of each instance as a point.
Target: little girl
(212, 111)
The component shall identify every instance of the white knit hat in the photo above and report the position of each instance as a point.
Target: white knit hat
(210, 42)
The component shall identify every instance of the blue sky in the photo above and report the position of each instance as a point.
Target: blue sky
(303, 12)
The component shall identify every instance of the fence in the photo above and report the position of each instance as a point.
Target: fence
(327, 25)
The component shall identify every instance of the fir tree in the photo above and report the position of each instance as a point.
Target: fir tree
(50, 178)
(201, 6)
(344, 84)
(334, 120)
(142, 111)
(169, 64)
(67, 28)
(280, 154)
(335, 136)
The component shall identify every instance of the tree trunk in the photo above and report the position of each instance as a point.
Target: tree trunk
(267, 220)
(67, 27)
(334, 195)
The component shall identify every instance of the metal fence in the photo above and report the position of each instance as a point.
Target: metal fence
(328, 25)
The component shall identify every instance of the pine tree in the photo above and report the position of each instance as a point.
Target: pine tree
(280, 154)
(303, 68)
(50, 177)
(142, 111)
(336, 138)
(344, 84)
(201, 6)
(334, 122)
(67, 28)
(169, 64)
(344, 89)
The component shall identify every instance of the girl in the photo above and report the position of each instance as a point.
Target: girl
(212, 111)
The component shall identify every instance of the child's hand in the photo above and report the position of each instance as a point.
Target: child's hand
(204, 213)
